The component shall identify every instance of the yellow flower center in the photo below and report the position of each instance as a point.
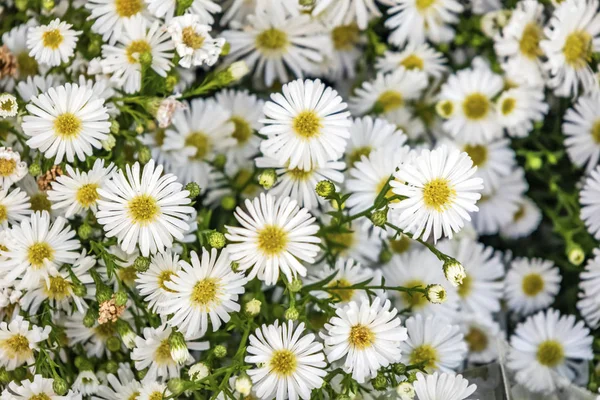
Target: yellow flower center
(87, 194)
(423, 5)
(272, 40)
(413, 61)
(508, 105)
(67, 125)
(205, 292)
(156, 396)
(38, 252)
(143, 209)
(550, 353)
(127, 8)
(344, 294)
(414, 300)
(476, 106)
(345, 37)
(191, 39)
(162, 355)
(478, 153)
(3, 213)
(401, 245)
(128, 275)
(529, 45)
(390, 100)
(134, 396)
(137, 47)
(17, 346)
(578, 49)
(7, 105)
(532, 284)
(477, 340)
(58, 288)
(425, 354)
(272, 240)
(307, 124)
(283, 362)
(299, 174)
(438, 194)
(52, 38)
(165, 276)
(41, 396)
(465, 287)
(27, 65)
(358, 152)
(361, 337)
(40, 202)
(7, 166)
(243, 130)
(595, 132)
(519, 214)
(200, 142)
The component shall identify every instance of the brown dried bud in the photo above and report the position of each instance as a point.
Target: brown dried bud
(45, 181)
(109, 311)
(8, 63)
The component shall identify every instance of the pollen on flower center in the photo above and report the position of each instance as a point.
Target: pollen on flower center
(595, 131)
(465, 287)
(578, 49)
(307, 124)
(358, 152)
(438, 194)
(530, 40)
(390, 100)
(283, 362)
(135, 49)
(272, 240)
(345, 37)
(52, 38)
(7, 105)
(17, 346)
(298, 174)
(7, 166)
(414, 300)
(423, 5)
(156, 396)
(343, 294)
(508, 105)
(477, 340)
(478, 153)
(413, 61)
(425, 354)
(243, 130)
(58, 289)
(165, 276)
(272, 40)
(205, 291)
(41, 396)
(550, 353)
(87, 194)
(127, 8)
(191, 39)
(200, 142)
(38, 252)
(143, 209)
(532, 284)
(162, 355)
(3, 213)
(476, 106)
(67, 125)
(361, 336)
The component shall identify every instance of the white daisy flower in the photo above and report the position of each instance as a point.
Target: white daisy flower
(589, 286)
(407, 121)
(518, 44)
(483, 337)
(52, 44)
(206, 288)
(14, 206)
(154, 391)
(65, 122)
(347, 273)
(388, 92)
(520, 107)
(153, 352)
(138, 41)
(274, 41)
(192, 40)
(367, 336)
(415, 21)
(421, 57)
(35, 85)
(345, 47)
(346, 12)
(572, 36)
(434, 342)
(581, 126)
(8, 105)
(471, 115)
(525, 220)
(275, 235)
(12, 169)
(440, 190)
(289, 364)
(589, 198)
(123, 385)
(531, 285)
(111, 16)
(445, 386)
(368, 134)
(306, 126)
(545, 349)
(37, 248)
(18, 341)
(201, 8)
(38, 388)
(86, 383)
(77, 191)
(152, 283)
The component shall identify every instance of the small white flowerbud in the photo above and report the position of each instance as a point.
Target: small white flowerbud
(109, 143)
(238, 70)
(454, 272)
(179, 350)
(243, 385)
(445, 108)
(436, 294)
(406, 391)
(253, 307)
(198, 371)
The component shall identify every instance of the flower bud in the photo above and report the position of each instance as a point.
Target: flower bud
(79, 290)
(141, 264)
(436, 294)
(379, 217)
(220, 351)
(8, 105)
(219, 161)
(114, 127)
(325, 189)
(111, 366)
(267, 178)
(139, 129)
(145, 58)
(176, 385)
(35, 169)
(228, 203)
(178, 347)
(575, 254)
(90, 317)
(144, 154)
(406, 391)
(291, 314)
(295, 285)
(198, 371)
(445, 108)
(84, 231)
(60, 386)
(533, 162)
(399, 369)
(253, 307)
(120, 298)
(113, 344)
(194, 190)
(103, 292)
(454, 271)
(238, 70)
(216, 240)
(380, 382)
(243, 385)
(48, 4)
(4, 376)
(385, 256)
(127, 334)
(412, 376)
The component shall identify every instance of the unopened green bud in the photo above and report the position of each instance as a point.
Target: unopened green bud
(216, 240)
(170, 82)
(84, 231)
(19, 374)
(253, 307)
(225, 49)
(35, 169)
(113, 343)
(90, 317)
(412, 376)
(385, 256)
(325, 189)
(219, 161)
(48, 4)
(593, 387)
(127, 334)
(267, 178)
(379, 217)
(176, 385)
(295, 285)
(194, 190)
(114, 126)
(141, 264)
(21, 4)
(139, 129)
(380, 382)
(399, 369)
(85, 365)
(291, 314)
(111, 366)
(79, 290)
(146, 58)
(575, 254)
(533, 162)
(4, 376)
(103, 292)
(141, 373)
(120, 298)
(228, 203)
(144, 154)
(220, 351)
(380, 48)
(60, 386)
(178, 347)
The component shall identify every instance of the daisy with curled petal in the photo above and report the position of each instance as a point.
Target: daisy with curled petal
(438, 386)
(76, 192)
(65, 122)
(152, 283)
(18, 341)
(123, 385)
(440, 191)
(14, 206)
(421, 57)
(193, 42)
(35, 85)
(415, 21)
(274, 41)
(366, 336)
(589, 289)
(306, 126)
(547, 347)
(388, 92)
(12, 169)
(525, 220)
(123, 61)
(111, 16)
(52, 44)
(589, 198)
(289, 364)
(38, 388)
(275, 235)
(520, 107)
(347, 273)
(143, 208)
(201, 8)
(206, 288)
(434, 342)
(368, 134)
(483, 337)
(581, 126)
(300, 184)
(38, 247)
(531, 285)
